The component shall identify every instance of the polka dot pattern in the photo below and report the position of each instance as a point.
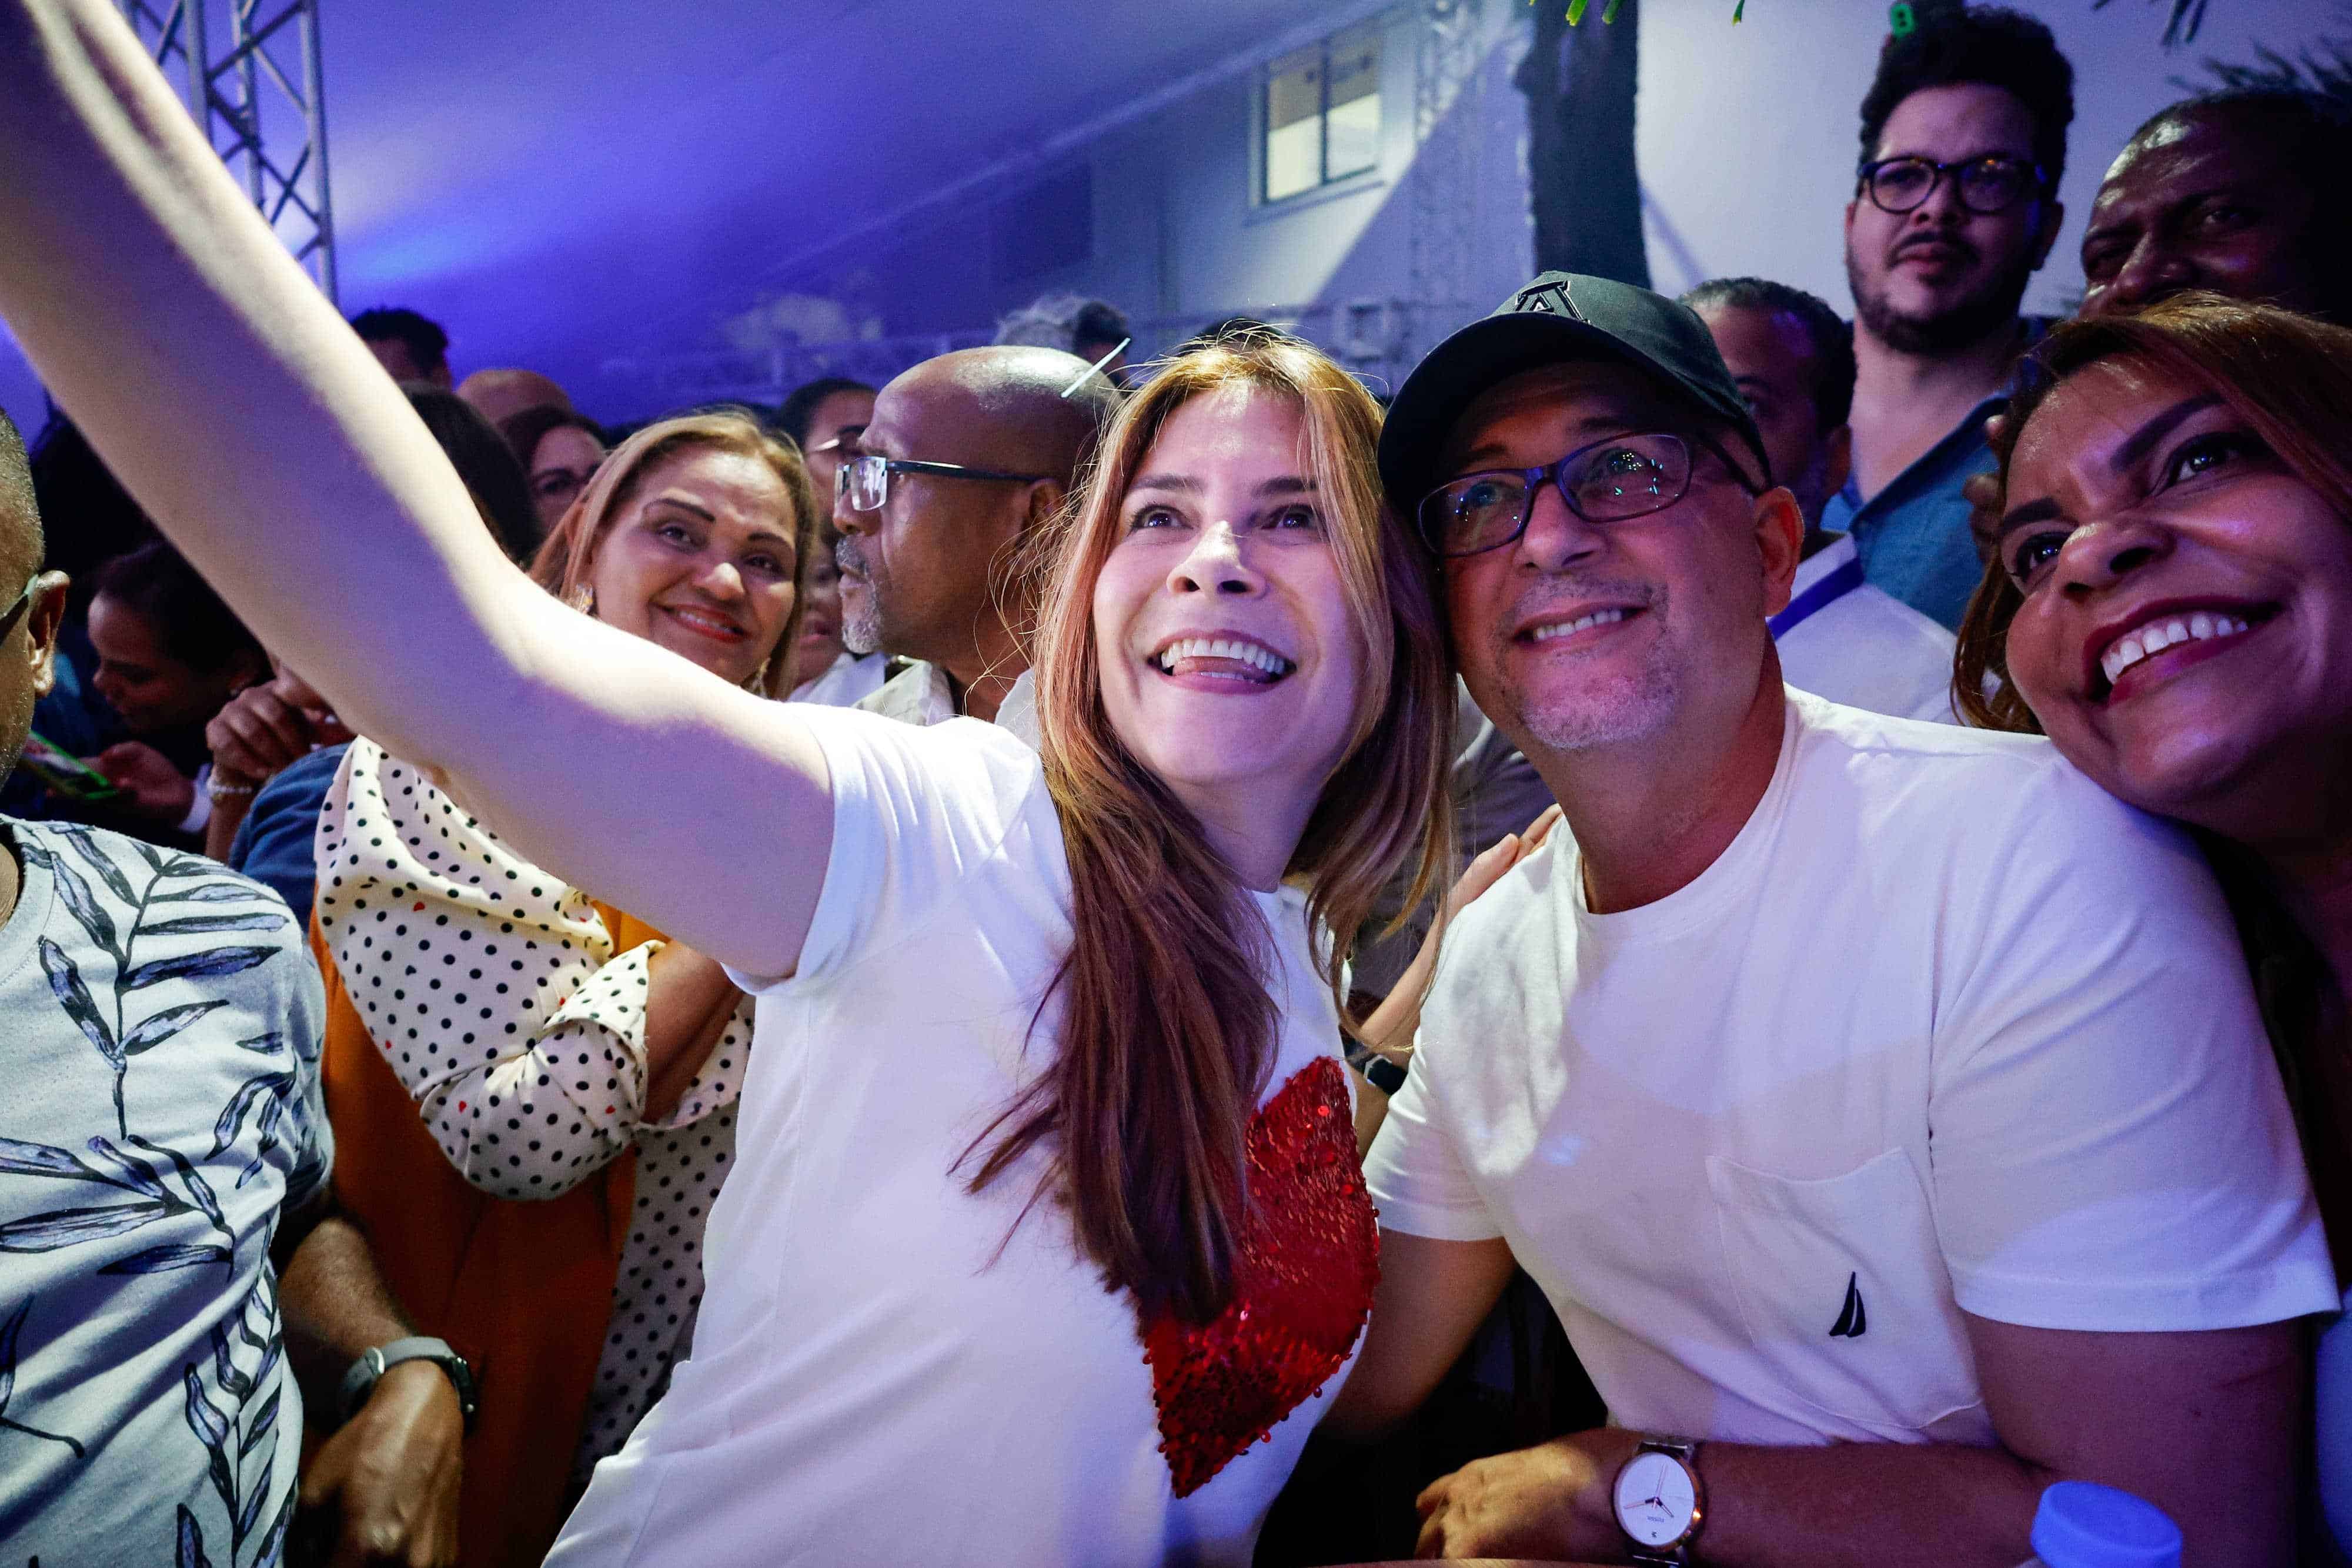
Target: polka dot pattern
(494, 991)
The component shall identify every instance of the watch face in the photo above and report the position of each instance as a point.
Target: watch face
(1654, 1499)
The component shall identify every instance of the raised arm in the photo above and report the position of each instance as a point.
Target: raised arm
(233, 402)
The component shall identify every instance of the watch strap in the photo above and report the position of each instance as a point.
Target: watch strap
(1383, 1074)
(360, 1382)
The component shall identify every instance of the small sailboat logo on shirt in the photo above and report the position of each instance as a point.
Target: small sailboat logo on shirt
(1853, 1320)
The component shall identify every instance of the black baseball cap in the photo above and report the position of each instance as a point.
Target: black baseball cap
(1559, 317)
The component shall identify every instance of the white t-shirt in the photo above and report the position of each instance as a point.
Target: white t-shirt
(1865, 648)
(1946, 1027)
(872, 1380)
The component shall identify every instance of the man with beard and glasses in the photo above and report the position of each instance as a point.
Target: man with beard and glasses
(1963, 143)
(964, 457)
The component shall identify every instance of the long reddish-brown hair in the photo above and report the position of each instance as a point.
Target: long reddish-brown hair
(567, 557)
(1167, 1035)
(2289, 377)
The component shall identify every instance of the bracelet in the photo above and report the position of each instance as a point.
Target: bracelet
(220, 791)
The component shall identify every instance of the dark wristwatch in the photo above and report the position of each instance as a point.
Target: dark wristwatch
(1383, 1074)
(374, 1363)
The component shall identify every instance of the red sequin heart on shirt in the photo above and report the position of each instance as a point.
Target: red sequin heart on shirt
(1302, 1287)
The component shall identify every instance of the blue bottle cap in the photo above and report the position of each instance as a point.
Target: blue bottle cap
(2081, 1524)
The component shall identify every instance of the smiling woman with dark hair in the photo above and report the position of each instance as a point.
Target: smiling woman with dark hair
(2172, 603)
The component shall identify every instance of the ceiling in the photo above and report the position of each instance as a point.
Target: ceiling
(561, 183)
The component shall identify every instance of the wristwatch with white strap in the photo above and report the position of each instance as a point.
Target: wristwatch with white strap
(1659, 1499)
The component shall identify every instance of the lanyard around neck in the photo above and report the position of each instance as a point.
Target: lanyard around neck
(1827, 591)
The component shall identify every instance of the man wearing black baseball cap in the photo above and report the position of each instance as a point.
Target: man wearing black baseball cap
(1884, 1159)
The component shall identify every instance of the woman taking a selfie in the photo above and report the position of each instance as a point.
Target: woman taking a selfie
(2170, 602)
(1045, 1211)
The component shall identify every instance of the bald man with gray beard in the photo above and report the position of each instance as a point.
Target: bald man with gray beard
(966, 456)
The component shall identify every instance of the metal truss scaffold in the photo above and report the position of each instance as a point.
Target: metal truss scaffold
(249, 73)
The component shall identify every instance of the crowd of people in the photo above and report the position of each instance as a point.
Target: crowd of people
(1817, 853)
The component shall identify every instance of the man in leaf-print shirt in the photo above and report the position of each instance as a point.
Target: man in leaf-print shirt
(161, 1134)
(161, 1029)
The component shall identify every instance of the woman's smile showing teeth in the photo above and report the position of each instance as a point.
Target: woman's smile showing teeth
(1225, 656)
(2206, 628)
(708, 623)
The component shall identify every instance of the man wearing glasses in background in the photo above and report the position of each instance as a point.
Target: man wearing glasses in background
(1963, 143)
(1882, 1107)
(964, 455)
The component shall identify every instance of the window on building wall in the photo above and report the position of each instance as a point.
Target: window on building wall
(1323, 112)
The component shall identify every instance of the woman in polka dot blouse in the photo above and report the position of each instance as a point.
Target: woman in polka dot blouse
(519, 1014)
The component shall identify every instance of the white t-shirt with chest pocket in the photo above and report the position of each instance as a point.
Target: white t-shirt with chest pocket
(1945, 1028)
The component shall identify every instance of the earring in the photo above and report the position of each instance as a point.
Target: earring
(584, 599)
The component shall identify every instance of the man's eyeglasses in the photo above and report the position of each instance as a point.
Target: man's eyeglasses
(16, 611)
(1993, 184)
(864, 482)
(1606, 482)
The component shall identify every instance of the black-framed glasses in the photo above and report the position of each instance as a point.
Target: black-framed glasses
(17, 612)
(1608, 481)
(865, 481)
(1988, 185)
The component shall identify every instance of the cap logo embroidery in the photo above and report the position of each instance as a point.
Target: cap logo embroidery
(1547, 300)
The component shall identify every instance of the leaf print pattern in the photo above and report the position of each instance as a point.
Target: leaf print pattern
(212, 1428)
(136, 1173)
(198, 925)
(65, 979)
(209, 893)
(163, 1026)
(192, 1542)
(195, 966)
(143, 955)
(79, 836)
(86, 908)
(17, 1158)
(164, 1259)
(70, 1227)
(8, 1333)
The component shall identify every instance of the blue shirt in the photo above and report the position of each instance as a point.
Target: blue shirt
(273, 845)
(1913, 536)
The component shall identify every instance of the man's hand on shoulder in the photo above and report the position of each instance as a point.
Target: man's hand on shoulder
(1548, 1501)
(384, 1489)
